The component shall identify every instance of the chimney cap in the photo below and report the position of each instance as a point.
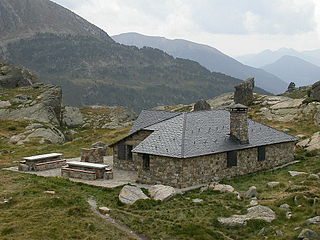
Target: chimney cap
(238, 106)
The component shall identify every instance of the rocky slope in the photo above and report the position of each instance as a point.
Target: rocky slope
(92, 69)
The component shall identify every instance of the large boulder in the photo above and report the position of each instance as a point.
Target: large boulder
(314, 92)
(308, 234)
(161, 192)
(13, 77)
(312, 143)
(71, 116)
(257, 212)
(130, 194)
(43, 134)
(244, 92)
(201, 105)
(252, 192)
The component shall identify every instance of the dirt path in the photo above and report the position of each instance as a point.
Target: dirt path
(114, 222)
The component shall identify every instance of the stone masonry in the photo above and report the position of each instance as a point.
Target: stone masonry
(239, 123)
(92, 155)
(199, 170)
(133, 140)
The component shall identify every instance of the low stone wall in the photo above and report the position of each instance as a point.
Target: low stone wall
(204, 169)
(71, 173)
(92, 155)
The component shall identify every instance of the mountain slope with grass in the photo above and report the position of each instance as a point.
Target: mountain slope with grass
(93, 69)
(207, 56)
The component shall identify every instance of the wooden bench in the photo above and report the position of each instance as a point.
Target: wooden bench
(81, 170)
(42, 162)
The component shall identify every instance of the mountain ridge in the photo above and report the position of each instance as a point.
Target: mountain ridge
(207, 56)
(294, 69)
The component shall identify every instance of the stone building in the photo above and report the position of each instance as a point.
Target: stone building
(186, 149)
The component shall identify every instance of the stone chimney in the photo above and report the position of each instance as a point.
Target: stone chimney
(239, 123)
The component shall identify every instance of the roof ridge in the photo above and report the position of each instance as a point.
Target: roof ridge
(183, 134)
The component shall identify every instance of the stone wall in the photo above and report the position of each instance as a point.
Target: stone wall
(92, 155)
(239, 125)
(133, 140)
(198, 170)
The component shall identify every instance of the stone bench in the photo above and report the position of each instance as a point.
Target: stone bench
(41, 162)
(76, 173)
(49, 165)
(101, 171)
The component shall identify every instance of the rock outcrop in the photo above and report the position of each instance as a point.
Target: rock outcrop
(312, 143)
(256, 212)
(13, 77)
(71, 116)
(45, 107)
(244, 92)
(201, 105)
(314, 92)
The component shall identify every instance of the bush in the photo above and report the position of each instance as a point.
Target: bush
(12, 128)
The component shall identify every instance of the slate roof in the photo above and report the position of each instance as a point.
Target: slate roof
(150, 117)
(201, 133)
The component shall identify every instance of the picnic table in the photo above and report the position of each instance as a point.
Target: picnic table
(42, 162)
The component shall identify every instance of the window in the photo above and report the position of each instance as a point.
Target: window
(124, 152)
(261, 153)
(146, 161)
(232, 159)
(121, 151)
(129, 153)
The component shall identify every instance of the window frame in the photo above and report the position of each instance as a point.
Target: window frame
(261, 153)
(146, 162)
(232, 159)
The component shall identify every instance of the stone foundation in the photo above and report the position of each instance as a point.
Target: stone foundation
(92, 155)
(49, 165)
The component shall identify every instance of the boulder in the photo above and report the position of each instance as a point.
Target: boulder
(161, 192)
(45, 135)
(244, 92)
(197, 200)
(313, 176)
(296, 173)
(4, 104)
(130, 194)
(308, 234)
(104, 210)
(221, 187)
(314, 143)
(273, 184)
(291, 87)
(252, 192)
(284, 207)
(314, 92)
(201, 105)
(256, 212)
(314, 220)
(13, 77)
(71, 116)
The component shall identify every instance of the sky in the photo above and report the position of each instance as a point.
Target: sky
(235, 27)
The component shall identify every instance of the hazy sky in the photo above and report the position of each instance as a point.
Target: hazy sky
(233, 26)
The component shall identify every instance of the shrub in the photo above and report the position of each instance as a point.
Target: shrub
(310, 100)
(12, 128)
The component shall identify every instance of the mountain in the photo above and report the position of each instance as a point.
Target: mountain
(207, 56)
(294, 69)
(66, 50)
(267, 57)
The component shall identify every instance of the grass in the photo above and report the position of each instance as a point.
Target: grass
(86, 137)
(65, 215)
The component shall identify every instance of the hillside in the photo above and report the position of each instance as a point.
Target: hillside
(294, 69)
(207, 56)
(93, 69)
